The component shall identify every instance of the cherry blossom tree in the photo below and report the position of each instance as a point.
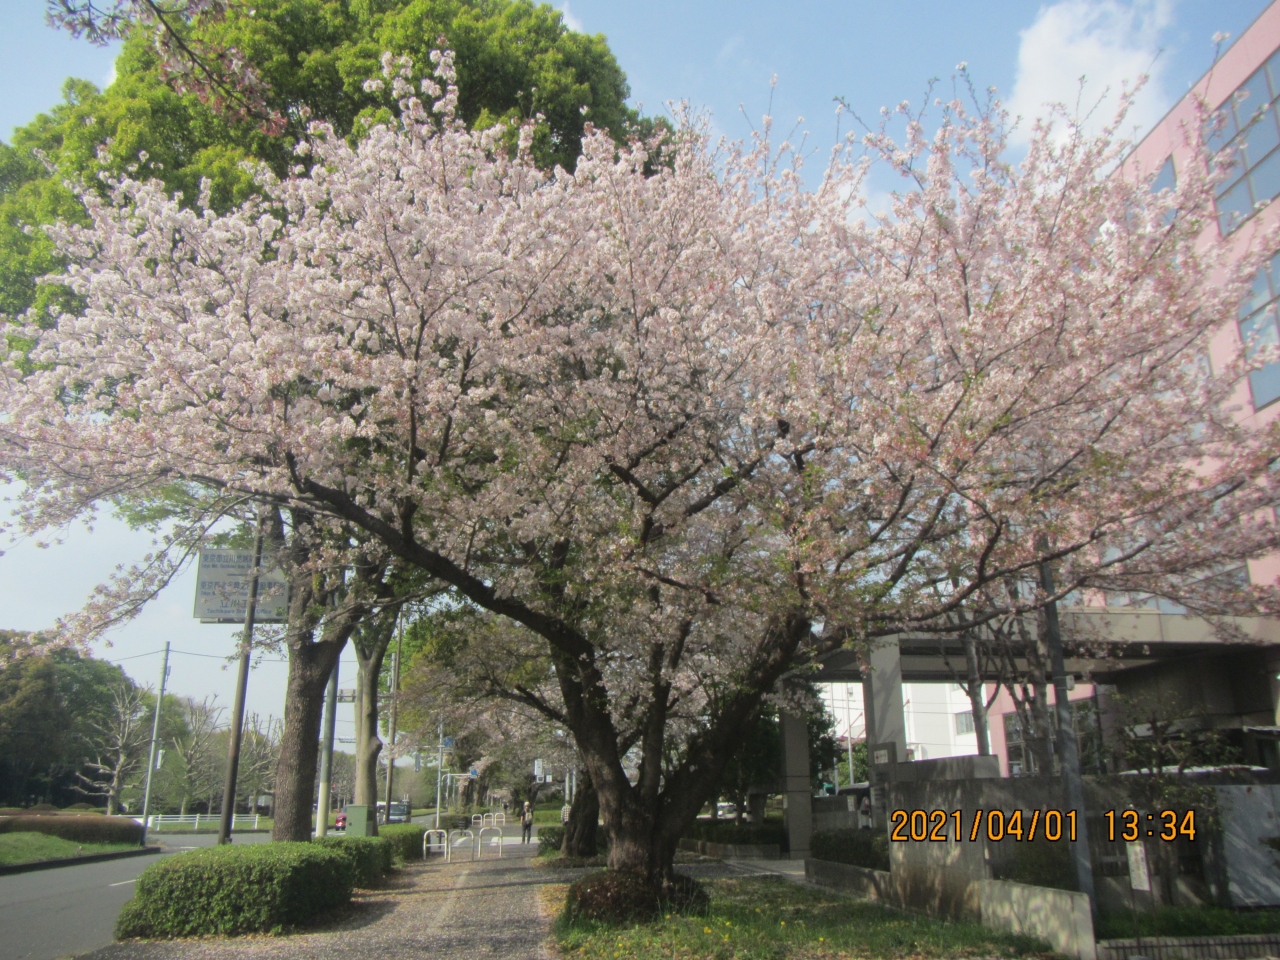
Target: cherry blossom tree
(679, 422)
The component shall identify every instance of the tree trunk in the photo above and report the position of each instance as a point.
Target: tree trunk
(584, 815)
(977, 695)
(368, 743)
(309, 667)
(370, 643)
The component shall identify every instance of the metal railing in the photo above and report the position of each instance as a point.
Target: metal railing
(162, 822)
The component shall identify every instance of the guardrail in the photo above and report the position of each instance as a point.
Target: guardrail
(455, 837)
(435, 841)
(245, 821)
(497, 840)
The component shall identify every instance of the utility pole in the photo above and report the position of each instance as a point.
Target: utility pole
(326, 752)
(395, 688)
(242, 685)
(151, 755)
(1068, 748)
(439, 771)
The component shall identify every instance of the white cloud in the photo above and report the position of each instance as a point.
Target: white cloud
(1108, 42)
(570, 21)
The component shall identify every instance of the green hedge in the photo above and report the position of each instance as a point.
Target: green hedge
(405, 840)
(729, 831)
(550, 839)
(229, 890)
(858, 848)
(369, 857)
(90, 828)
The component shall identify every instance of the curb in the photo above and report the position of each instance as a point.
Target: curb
(7, 869)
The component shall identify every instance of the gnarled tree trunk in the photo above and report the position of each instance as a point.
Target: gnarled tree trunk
(584, 817)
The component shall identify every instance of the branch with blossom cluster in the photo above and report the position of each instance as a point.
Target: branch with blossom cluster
(220, 76)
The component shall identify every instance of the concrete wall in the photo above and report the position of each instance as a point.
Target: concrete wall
(1249, 815)
(1059, 917)
(859, 882)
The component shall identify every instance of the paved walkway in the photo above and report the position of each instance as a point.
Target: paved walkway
(464, 911)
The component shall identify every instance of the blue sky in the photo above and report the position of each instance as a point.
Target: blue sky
(717, 55)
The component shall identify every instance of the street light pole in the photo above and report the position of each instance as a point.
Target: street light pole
(155, 735)
(439, 770)
(326, 753)
(395, 688)
(242, 685)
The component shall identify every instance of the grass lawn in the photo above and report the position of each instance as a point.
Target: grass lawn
(25, 847)
(768, 918)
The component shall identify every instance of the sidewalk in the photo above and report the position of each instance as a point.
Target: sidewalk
(464, 911)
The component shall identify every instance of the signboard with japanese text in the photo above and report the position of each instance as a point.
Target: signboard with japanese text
(222, 588)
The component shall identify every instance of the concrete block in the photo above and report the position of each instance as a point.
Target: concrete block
(1059, 917)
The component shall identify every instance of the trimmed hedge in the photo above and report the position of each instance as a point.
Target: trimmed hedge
(230, 890)
(721, 831)
(405, 840)
(550, 840)
(858, 848)
(369, 857)
(90, 828)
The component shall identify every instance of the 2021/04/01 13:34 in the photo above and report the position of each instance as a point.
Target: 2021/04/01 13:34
(935, 825)
(1165, 825)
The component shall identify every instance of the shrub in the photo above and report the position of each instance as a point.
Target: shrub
(41, 808)
(229, 890)
(550, 839)
(87, 829)
(858, 848)
(405, 840)
(616, 898)
(721, 831)
(369, 857)
(83, 808)
(1040, 863)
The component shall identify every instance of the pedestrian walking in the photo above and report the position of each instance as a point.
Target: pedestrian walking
(526, 823)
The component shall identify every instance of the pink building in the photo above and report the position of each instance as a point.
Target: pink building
(1232, 690)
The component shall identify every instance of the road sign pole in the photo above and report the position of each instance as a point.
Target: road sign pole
(326, 752)
(155, 735)
(242, 685)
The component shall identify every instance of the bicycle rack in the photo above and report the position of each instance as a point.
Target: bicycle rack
(493, 831)
(442, 840)
(454, 838)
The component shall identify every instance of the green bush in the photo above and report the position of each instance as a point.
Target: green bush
(615, 898)
(1188, 922)
(550, 840)
(90, 828)
(730, 831)
(405, 840)
(1041, 863)
(858, 848)
(229, 890)
(369, 857)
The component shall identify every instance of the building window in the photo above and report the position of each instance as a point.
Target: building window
(1258, 330)
(1249, 127)
(964, 723)
(1084, 720)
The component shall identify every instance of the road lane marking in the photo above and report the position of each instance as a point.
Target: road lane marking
(123, 883)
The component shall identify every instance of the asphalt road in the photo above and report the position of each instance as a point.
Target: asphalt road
(48, 914)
